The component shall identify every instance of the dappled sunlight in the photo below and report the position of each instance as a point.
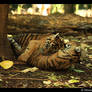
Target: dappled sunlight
(84, 13)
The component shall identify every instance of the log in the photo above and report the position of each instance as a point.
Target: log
(47, 24)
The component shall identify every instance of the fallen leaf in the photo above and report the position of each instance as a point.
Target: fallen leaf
(25, 70)
(24, 85)
(52, 77)
(6, 64)
(34, 69)
(75, 77)
(89, 65)
(29, 70)
(89, 83)
(58, 84)
(79, 71)
(76, 70)
(82, 85)
(73, 81)
(67, 85)
(1, 80)
(47, 82)
(72, 77)
(90, 56)
(9, 35)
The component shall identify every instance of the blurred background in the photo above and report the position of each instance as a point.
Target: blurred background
(84, 10)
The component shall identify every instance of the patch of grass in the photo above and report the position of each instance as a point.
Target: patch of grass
(52, 77)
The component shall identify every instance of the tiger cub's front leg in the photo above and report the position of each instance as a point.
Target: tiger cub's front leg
(29, 50)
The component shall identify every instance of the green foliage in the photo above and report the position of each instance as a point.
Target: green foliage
(84, 6)
(57, 8)
(79, 71)
(76, 70)
(13, 6)
(89, 6)
(26, 6)
(52, 77)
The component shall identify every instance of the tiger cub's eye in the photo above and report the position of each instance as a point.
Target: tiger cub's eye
(67, 46)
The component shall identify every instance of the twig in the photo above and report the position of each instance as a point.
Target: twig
(22, 78)
(20, 63)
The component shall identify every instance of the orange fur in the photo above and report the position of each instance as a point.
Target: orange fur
(37, 55)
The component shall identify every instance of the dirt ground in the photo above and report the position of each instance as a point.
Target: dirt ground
(12, 78)
(81, 77)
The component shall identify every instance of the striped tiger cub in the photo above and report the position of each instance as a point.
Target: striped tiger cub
(19, 42)
(50, 52)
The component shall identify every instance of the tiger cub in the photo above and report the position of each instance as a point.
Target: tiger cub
(50, 53)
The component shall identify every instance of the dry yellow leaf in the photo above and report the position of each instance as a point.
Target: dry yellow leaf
(73, 81)
(47, 82)
(29, 69)
(6, 64)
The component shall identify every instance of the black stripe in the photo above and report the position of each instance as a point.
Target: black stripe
(20, 39)
(53, 64)
(23, 44)
(27, 39)
(23, 39)
(48, 66)
(31, 37)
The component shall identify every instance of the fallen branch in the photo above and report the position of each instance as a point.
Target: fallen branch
(9, 78)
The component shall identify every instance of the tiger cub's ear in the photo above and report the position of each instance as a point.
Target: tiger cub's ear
(57, 35)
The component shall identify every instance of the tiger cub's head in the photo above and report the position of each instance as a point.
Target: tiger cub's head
(52, 44)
